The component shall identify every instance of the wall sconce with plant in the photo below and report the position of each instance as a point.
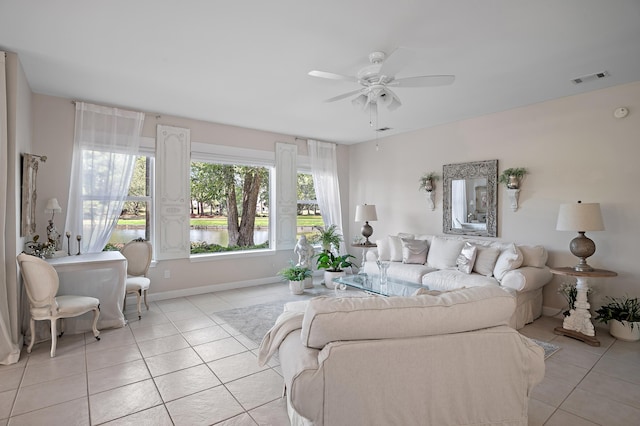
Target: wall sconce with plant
(512, 179)
(427, 184)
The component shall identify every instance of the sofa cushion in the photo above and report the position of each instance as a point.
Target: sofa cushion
(444, 252)
(509, 259)
(535, 256)
(414, 251)
(395, 248)
(412, 272)
(467, 258)
(451, 279)
(384, 249)
(486, 260)
(330, 319)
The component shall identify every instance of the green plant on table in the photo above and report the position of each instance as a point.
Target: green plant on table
(333, 263)
(619, 309)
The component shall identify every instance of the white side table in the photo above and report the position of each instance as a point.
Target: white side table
(578, 323)
(365, 247)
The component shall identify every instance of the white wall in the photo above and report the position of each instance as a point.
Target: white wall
(53, 136)
(573, 148)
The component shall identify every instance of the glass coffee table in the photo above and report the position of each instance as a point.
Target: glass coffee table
(371, 284)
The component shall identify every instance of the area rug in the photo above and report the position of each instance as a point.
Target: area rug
(254, 321)
(549, 349)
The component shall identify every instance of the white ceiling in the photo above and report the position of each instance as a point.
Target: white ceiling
(245, 62)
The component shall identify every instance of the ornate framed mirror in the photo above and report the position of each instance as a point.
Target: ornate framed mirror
(470, 198)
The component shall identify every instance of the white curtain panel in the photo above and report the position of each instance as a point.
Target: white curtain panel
(105, 146)
(9, 324)
(324, 169)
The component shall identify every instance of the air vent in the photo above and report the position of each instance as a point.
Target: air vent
(590, 77)
(383, 129)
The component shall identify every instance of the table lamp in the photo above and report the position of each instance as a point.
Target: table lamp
(366, 213)
(52, 233)
(581, 217)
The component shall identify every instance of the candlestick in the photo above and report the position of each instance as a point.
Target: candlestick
(68, 234)
(78, 237)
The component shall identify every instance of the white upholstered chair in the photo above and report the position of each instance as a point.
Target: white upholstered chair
(41, 284)
(138, 253)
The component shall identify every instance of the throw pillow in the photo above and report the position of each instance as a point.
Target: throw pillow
(444, 252)
(395, 248)
(509, 259)
(535, 256)
(466, 258)
(486, 258)
(414, 251)
(384, 249)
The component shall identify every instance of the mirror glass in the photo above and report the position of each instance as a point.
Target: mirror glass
(469, 200)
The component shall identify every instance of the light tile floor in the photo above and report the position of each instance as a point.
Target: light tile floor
(182, 365)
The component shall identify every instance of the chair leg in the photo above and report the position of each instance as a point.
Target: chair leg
(54, 337)
(96, 314)
(32, 329)
(124, 305)
(61, 327)
(138, 295)
(145, 299)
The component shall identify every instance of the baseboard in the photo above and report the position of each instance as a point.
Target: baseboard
(192, 291)
(549, 311)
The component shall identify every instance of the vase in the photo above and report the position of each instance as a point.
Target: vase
(513, 183)
(622, 330)
(383, 267)
(296, 287)
(428, 185)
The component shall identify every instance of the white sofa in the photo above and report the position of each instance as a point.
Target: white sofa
(447, 359)
(435, 262)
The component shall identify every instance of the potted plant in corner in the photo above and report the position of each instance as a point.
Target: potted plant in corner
(329, 237)
(296, 276)
(511, 177)
(333, 266)
(427, 180)
(624, 314)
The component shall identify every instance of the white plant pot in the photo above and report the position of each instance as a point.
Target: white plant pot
(329, 276)
(296, 287)
(622, 330)
(308, 282)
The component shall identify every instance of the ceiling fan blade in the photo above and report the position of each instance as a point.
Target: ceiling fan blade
(423, 81)
(331, 76)
(396, 61)
(344, 95)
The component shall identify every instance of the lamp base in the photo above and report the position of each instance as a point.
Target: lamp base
(582, 247)
(367, 231)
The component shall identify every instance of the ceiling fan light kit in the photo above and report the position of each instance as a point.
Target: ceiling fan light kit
(376, 77)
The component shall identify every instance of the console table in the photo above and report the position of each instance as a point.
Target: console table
(578, 323)
(101, 275)
(365, 247)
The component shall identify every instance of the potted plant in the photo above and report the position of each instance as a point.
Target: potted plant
(624, 314)
(511, 177)
(333, 266)
(427, 180)
(329, 237)
(296, 276)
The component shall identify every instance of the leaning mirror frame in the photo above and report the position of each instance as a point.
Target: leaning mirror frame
(465, 171)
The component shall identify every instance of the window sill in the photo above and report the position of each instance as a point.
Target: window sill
(206, 257)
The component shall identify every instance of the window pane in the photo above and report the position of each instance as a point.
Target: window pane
(228, 197)
(135, 218)
(308, 211)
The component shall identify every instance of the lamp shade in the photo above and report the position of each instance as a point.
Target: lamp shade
(52, 206)
(366, 213)
(580, 217)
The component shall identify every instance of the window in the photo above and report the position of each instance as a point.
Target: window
(229, 207)
(309, 216)
(135, 220)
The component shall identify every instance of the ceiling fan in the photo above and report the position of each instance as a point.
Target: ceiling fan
(377, 78)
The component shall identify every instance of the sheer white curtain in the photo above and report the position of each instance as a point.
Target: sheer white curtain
(105, 146)
(458, 202)
(9, 327)
(324, 169)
